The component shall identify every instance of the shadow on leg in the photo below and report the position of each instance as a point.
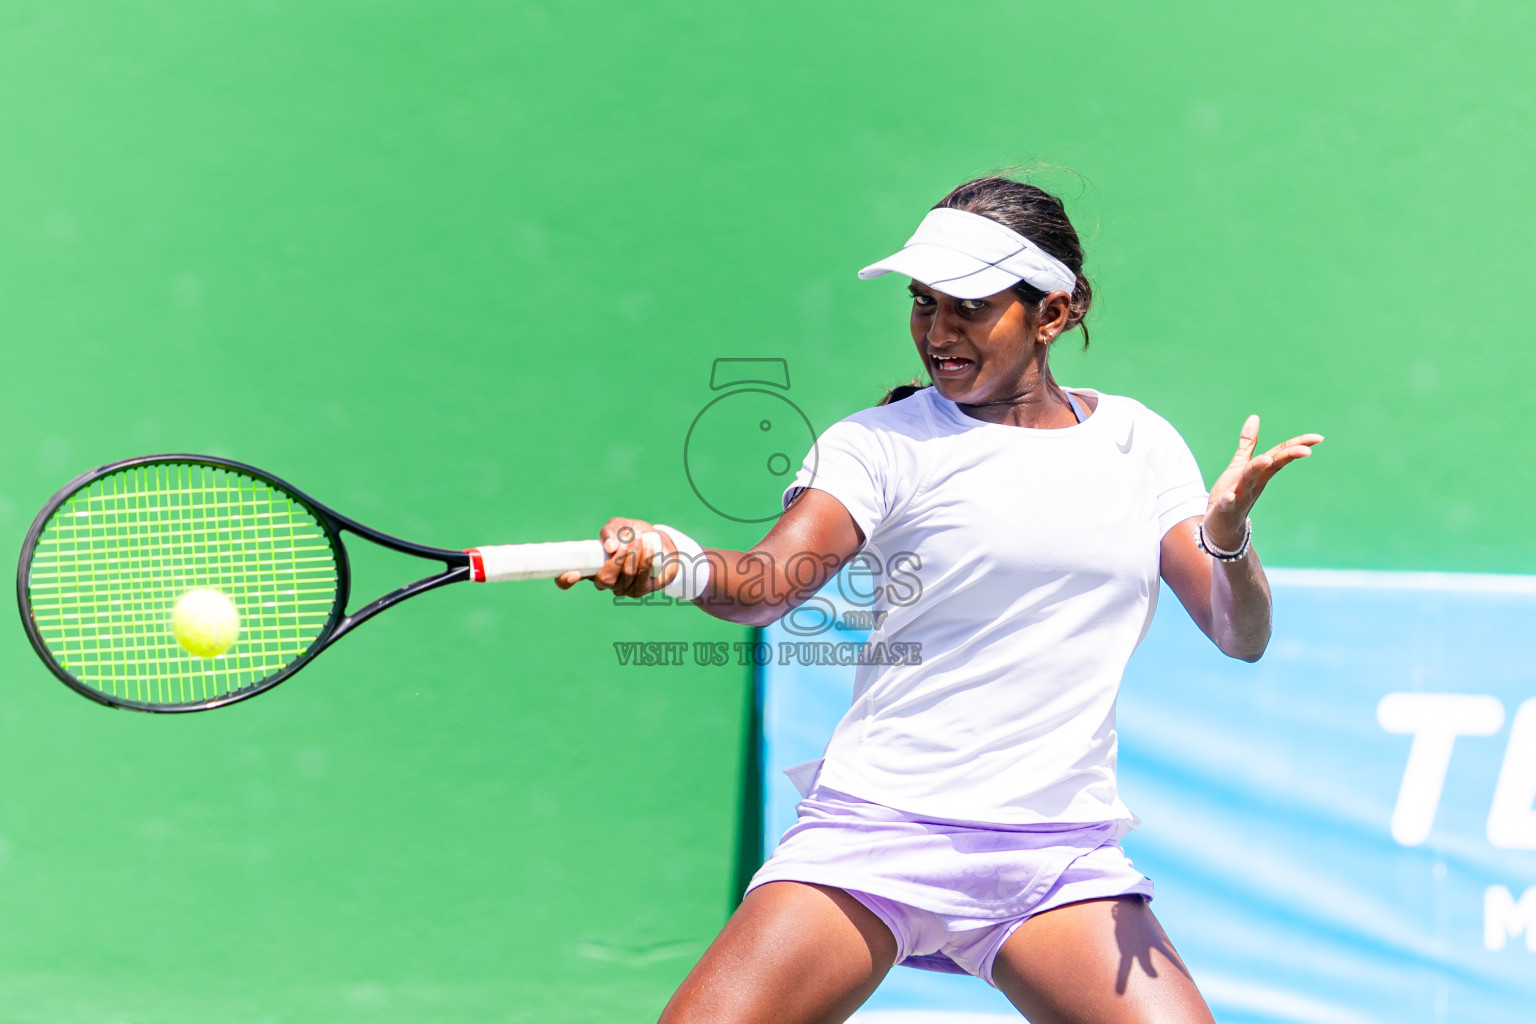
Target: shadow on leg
(792, 953)
(1106, 961)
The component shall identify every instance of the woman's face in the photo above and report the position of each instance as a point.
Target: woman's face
(976, 350)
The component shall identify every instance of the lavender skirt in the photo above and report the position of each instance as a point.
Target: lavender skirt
(952, 891)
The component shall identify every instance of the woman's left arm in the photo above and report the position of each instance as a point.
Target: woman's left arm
(1229, 601)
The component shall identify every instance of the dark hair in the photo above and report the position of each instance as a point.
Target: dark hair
(901, 391)
(1038, 216)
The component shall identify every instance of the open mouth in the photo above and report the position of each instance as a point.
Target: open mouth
(952, 364)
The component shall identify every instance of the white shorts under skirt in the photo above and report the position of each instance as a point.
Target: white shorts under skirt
(951, 892)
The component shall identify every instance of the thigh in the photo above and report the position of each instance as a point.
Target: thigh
(792, 953)
(1106, 961)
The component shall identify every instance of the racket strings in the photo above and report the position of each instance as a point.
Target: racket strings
(114, 558)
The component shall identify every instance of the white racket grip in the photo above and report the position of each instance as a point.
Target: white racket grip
(499, 563)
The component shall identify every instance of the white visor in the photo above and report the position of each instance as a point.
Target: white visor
(970, 257)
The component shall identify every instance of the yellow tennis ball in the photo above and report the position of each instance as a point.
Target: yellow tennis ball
(205, 622)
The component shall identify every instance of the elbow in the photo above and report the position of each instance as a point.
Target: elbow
(1245, 641)
(1249, 649)
(761, 618)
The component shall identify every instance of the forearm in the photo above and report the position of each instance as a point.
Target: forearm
(805, 548)
(1240, 607)
(754, 588)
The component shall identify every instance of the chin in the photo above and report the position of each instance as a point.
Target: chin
(956, 391)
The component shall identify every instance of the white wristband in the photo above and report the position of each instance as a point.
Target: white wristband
(692, 577)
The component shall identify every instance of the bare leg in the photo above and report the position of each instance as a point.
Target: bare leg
(792, 953)
(1105, 961)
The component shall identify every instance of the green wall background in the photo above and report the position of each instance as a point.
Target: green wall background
(461, 271)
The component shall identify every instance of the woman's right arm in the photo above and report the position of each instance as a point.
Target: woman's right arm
(805, 548)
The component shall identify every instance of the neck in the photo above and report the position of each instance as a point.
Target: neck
(1037, 402)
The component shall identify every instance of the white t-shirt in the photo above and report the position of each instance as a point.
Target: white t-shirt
(1035, 558)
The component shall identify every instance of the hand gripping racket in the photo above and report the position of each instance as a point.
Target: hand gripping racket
(110, 555)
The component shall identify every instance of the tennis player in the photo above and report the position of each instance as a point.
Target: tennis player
(965, 816)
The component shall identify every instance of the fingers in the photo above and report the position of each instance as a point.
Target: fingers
(1262, 469)
(626, 556)
(611, 530)
(1247, 440)
(1240, 484)
(1280, 456)
(632, 561)
(1298, 446)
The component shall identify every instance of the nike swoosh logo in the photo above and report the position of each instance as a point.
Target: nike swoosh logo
(1125, 449)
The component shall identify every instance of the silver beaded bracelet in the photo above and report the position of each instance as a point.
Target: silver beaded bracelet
(1219, 554)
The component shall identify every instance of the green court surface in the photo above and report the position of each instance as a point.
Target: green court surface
(462, 271)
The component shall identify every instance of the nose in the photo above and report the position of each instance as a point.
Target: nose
(945, 326)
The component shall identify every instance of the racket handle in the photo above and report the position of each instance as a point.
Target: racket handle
(496, 563)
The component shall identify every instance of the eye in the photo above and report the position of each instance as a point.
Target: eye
(922, 301)
(973, 305)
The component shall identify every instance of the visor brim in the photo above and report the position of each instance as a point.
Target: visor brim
(944, 270)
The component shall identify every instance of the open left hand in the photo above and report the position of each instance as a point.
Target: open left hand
(1244, 479)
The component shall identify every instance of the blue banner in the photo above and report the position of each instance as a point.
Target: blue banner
(1343, 833)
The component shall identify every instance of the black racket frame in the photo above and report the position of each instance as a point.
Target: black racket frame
(339, 624)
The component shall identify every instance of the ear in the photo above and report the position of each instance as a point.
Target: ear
(1055, 314)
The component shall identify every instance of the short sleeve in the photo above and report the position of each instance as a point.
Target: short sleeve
(848, 462)
(1181, 492)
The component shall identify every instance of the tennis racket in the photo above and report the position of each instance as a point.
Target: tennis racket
(111, 554)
